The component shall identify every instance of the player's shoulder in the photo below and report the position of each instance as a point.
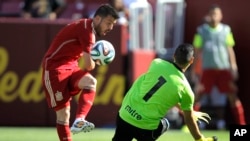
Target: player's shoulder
(159, 60)
(224, 24)
(83, 21)
(225, 27)
(201, 28)
(159, 64)
(204, 25)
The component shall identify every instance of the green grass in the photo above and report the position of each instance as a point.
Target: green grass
(99, 134)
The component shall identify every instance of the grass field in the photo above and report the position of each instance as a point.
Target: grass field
(99, 134)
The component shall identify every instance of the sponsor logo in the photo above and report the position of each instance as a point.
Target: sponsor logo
(133, 112)
(59, 96)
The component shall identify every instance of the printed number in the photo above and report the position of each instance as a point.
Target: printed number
(149, 94)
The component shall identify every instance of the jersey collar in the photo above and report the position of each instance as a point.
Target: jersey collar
(177, 67)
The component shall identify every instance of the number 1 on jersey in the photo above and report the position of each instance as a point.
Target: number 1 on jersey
(149, 94)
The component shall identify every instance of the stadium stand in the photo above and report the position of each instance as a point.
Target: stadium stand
(10, 8)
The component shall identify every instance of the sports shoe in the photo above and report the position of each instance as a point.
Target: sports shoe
(81, 125)
(165, 125)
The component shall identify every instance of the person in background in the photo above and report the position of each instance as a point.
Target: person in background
(214, 44)
(63, 78)
(122, 11)
(214, 103)
(164, 86)
(128, 2)
(46, 9)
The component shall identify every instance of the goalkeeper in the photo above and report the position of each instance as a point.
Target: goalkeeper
(162, 87)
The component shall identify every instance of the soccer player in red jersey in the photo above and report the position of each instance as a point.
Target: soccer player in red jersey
(63, 78)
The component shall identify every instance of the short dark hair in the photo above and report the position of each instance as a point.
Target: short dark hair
(213, 7)
(184, 53)
(105, 10)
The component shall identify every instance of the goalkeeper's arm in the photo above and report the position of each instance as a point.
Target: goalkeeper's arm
(191, 123)
(199, 116)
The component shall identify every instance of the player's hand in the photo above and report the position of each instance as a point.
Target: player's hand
(214, 138)
(201, 116)
(97, 62)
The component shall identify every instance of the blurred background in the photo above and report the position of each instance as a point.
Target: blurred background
(147, 29)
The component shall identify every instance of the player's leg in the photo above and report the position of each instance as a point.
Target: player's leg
(237, 109)
(153, 135)
(227, 85)
(123, 131)
(218, 102)
(165, 125)
(87, 84)
(204, 87)
(58, 98)
(62, 124)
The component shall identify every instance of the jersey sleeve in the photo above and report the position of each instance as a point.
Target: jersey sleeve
(229, 36)
(187, 99)
(230, 40)
(197, 42)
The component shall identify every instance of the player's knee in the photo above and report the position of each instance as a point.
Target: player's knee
(63, 115)
(87, 82)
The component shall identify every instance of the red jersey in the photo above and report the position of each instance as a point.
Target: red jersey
(68, 45)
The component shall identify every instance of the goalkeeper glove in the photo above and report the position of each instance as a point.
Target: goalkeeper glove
(214, 138)
(201, 116)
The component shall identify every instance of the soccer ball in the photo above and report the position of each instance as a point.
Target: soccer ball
(103, 52)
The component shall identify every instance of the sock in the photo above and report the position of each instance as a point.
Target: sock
(63, 132)
(238, 114)
(85, 103)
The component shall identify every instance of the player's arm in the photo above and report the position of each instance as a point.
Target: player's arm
(193, 127)
(230, 43)
(190, 116)
(86, 42)
(234, 67)
(192, 124)
(89, 64)
(196, 67)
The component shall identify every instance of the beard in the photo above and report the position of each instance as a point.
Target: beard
(98, 29)
(98, 32)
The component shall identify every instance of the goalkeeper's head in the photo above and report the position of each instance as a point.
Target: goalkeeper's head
(184, 56)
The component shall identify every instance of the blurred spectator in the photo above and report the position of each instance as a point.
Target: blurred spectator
(122, 11)
(79, 6)
(214, 44)
(48, 9)
(10, 8)
(128, 2)
(75, 9)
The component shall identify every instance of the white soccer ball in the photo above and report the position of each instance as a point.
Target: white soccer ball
(103, 52)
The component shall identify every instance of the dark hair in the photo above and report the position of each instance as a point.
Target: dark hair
(213, 7)
(184, 53)
(105, 10)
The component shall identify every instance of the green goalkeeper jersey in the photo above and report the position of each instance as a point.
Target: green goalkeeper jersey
(151, 96)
